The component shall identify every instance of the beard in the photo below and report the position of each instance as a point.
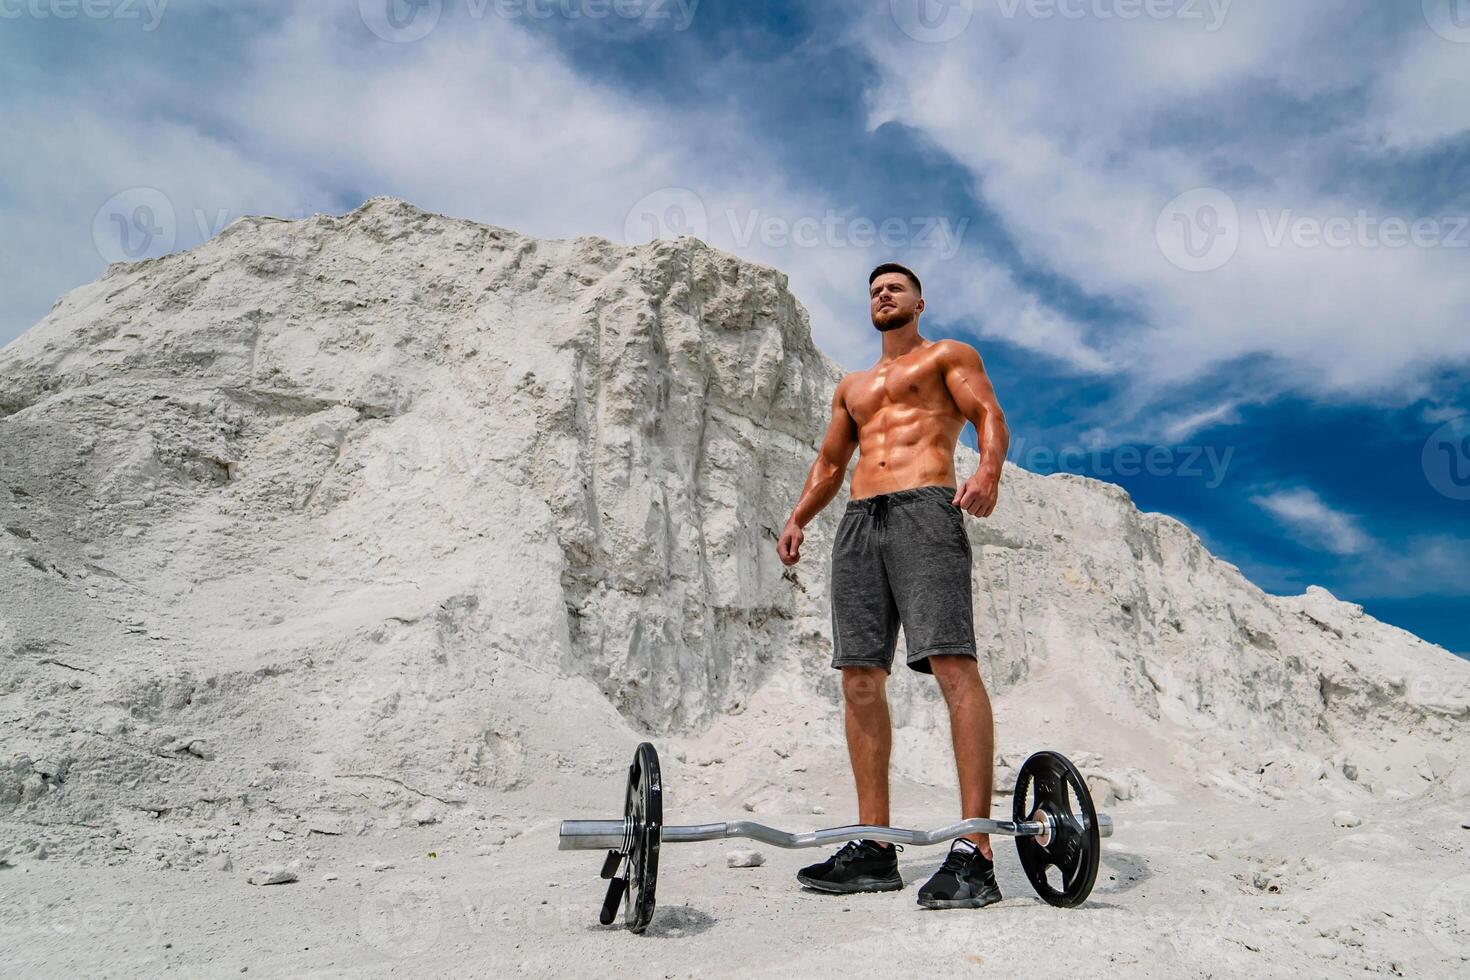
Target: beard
(891, 320)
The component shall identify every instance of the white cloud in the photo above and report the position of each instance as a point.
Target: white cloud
(481, 119)
(1425, 564)
(1421, 98)
(1079, 132)
(1315, 523)
(1179, 428)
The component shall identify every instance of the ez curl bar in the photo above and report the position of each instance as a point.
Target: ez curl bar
(1053, 821)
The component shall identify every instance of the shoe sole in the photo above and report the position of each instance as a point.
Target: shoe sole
(853, 887)
(958, 903)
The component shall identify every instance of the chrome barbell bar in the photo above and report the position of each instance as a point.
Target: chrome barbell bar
(595, 835)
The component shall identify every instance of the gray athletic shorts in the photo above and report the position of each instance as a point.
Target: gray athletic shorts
(901, 557)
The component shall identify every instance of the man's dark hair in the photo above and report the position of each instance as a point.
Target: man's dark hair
(895, 267)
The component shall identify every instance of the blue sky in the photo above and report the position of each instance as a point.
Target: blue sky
(1213, 251)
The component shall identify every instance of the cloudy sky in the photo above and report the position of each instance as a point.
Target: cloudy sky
(1213, 250)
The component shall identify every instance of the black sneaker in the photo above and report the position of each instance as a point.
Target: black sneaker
(861, 866)
(966, 880)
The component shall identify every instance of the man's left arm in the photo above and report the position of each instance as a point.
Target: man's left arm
(969, 386)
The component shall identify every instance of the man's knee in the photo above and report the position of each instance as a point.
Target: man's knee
(957, 674)
(864, 686)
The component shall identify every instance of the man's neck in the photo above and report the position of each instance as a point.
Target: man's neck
(897, 343)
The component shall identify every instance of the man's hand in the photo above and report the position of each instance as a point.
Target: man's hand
(788, 549)
(976, 496)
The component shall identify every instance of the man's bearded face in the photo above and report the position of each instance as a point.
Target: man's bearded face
(893, 302)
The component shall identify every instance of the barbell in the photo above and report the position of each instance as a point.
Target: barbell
(1053, 821)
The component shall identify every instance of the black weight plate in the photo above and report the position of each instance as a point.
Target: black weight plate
(645, 812)
(1050, 783)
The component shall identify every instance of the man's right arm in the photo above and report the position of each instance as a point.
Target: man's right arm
(824, 481)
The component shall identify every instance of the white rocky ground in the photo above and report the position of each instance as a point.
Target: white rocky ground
(382, 539)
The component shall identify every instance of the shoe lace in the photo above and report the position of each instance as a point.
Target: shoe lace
(957, 860)
(853, 849)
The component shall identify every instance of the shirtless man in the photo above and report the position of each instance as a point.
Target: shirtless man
(902, 555)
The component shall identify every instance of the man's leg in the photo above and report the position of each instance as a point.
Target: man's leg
(869, 739)
(973, 732)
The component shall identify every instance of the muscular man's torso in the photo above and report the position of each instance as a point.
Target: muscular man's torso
(907, 422)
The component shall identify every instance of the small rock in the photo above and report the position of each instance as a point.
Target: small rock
(1323, 947)
(1004, 779)
(818, 808)
(1346, 818)
(424, 813)
(272, 874)
(328, 825)
(745, 859)
(1350, 772)
(276, 835)
(382, 865)
(53, 770)
(1101, 790)
(200, 748)
(329, 877)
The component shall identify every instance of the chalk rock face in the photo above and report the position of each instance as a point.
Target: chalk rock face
(398, 508)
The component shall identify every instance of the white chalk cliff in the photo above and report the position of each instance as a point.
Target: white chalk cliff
(330, 519)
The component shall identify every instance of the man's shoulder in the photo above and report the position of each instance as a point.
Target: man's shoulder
(950, 346)
(951, 353)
